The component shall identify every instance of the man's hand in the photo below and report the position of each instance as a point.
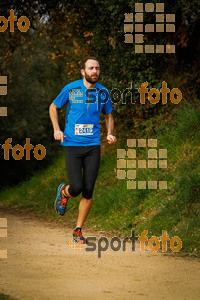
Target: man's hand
(58, 135)
(111, 139)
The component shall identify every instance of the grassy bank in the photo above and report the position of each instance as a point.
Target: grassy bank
(118, 209)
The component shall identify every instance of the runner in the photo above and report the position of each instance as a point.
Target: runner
(85, 99)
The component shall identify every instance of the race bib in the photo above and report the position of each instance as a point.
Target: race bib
(84, 129)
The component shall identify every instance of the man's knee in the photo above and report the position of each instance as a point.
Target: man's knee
(75, 190)
(87, 192)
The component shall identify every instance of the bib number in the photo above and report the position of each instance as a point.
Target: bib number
(84, 129)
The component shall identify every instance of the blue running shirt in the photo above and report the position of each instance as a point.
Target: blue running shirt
(83, 111)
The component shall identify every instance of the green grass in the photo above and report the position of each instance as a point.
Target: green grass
(117, 209)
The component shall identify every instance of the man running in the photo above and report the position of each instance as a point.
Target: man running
(85, 99)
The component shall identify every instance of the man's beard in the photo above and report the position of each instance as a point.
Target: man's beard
(90, 79)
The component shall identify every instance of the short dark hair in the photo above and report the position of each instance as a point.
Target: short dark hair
(82, 63)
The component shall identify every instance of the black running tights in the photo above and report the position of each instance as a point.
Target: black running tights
(82, 164)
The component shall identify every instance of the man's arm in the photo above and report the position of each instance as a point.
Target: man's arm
(110, 127)
(53, 113)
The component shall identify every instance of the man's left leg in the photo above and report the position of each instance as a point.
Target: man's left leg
(83, 210)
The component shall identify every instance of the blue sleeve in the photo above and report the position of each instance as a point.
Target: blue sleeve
(107, 108)
(62, 98)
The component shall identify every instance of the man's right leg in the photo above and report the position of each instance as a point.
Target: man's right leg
(65, 191)
(61, 200)
(73, 162)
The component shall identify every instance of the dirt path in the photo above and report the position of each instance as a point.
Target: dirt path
(41, 265)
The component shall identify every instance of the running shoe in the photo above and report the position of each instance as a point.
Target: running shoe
(61, 200)
(78, 237)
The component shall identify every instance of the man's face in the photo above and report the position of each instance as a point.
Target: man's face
(92, 70)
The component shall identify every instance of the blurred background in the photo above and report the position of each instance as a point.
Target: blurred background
(39, 62)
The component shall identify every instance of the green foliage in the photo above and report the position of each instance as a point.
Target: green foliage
(32, 86)
(41, 61)
(188, 188)
(188, 125)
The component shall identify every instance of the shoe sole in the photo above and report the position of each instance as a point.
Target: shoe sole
(79, 242)
(58, 192)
